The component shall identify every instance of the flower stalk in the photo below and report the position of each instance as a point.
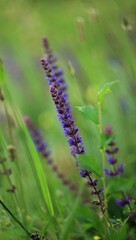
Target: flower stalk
(102, 152)
(64, 113)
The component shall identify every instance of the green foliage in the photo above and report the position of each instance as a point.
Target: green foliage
(90, 113)
(67, 227)
(119, 235)
(120, 184)
(93, 222)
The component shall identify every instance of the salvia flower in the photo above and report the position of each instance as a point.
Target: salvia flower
(64, 114)
(110, 154)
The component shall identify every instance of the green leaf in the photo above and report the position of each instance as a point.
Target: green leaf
(105, 90)
(92, 218)
(119, 235)
(88, 163)
(120, 184)
(34, 160)
(68, 223)
(89, 112)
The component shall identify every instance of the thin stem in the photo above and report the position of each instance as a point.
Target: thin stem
(102, 153)
(11, 214)
(97, 193)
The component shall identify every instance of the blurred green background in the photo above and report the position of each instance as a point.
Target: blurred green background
(98, 39)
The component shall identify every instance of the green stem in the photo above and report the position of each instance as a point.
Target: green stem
(102, 153)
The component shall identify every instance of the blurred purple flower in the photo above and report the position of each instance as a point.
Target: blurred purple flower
(83, 173)
(116, 171)
(36, 135)
(42, 147)
(111, 160)
(110, 154)
(124, 201)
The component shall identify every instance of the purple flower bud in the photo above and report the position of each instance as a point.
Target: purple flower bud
(108, 172)
(113, 151)
(117, 171)
(95, 182)
(111, 160)
(120, 169)
(83, 173)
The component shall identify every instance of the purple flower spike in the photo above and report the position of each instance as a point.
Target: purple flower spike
(64, 112)
(59, 96)
(36, 135)
(110, 153)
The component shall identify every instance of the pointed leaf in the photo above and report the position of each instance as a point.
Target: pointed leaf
(120, 185)
(105, 90)
(92, 218)
(89, 112)
(68, 223)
